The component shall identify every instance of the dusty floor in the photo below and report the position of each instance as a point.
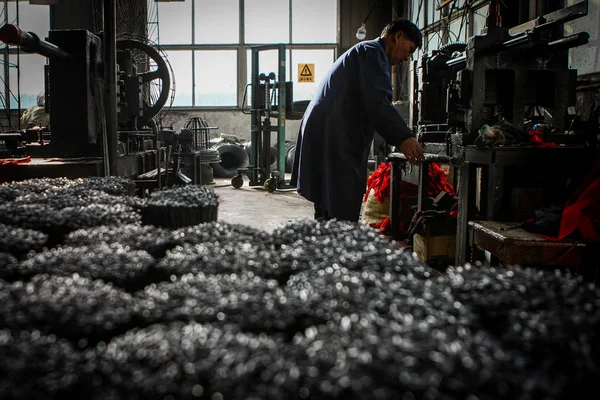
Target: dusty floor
(258, 208)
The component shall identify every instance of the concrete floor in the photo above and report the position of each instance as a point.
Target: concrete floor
(258, 208)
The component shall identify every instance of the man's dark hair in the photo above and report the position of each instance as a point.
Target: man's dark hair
(412, 32)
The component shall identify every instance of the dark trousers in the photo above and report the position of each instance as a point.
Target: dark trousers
(320, 213)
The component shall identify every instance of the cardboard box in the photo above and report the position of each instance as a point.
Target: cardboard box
(429, 248)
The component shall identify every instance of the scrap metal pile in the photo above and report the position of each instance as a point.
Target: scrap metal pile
(114, 309)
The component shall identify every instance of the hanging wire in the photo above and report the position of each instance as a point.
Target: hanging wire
(449, 20)
(419, 12)
(370, 11)
(466, 9)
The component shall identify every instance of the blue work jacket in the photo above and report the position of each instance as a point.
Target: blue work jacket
(352, 102)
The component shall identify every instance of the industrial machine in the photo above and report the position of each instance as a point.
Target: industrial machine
(509, 73)
(271, 99)
(516, 77)
(75, 88)
(516, 74)
(432, 77)
(193, 156)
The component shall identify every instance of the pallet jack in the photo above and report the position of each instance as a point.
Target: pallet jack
(271, 97)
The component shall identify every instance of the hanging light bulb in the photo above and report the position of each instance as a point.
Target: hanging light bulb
(361, 33)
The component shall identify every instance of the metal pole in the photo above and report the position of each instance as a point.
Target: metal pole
(7, 75)
(110, 58)
(281, 115)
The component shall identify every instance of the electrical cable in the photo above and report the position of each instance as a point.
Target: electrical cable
(466, 9)
(419, 12)
(370, 11)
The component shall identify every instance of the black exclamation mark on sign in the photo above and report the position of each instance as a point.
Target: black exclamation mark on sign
(306, 71)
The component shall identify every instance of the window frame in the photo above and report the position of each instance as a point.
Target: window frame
(242, 60)
(442, 25)
(10, 99)
(241, 48)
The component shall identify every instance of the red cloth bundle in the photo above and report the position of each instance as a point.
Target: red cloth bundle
(438, 181)
(7, 164)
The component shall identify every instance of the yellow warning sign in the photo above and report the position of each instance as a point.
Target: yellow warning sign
(306, 72)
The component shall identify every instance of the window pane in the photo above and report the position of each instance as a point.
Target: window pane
(433, 14)
(458, 30)
(175, 19)
(586, 58)
(31, 67)
(419, 14)
(267, 63)
(216, 77)
(217, 21)
(314, 21)
(433, 41)
(153, 21)
(322, 59)
(181, 62)
(479, 17)
(32, 17)
(267, 21)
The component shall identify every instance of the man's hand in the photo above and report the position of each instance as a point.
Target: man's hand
(412, 150)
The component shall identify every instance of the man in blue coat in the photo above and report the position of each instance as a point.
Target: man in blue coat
(353, 101)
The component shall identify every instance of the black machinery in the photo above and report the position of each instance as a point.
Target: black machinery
(517, 75)
(271, 98)
(75, 88)
(432, 78)
(505, 74)
(508, 74)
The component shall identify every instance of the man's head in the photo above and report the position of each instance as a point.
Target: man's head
(401, 38)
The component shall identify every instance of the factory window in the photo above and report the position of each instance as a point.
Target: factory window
(31, 17)
(479, 17)
(267, 21)
(316, 14)
(458, 30)
(181, 62)
(433, 41)
(215, 88)
(24, 72)
(418, 13)
(175, 22)
(433, 13)
(322, 59)
(31, 71)
(456, 20)
(217, 22)
(267, 63)
(210, 55)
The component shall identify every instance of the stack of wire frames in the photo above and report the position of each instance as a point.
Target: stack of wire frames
(200, 132)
